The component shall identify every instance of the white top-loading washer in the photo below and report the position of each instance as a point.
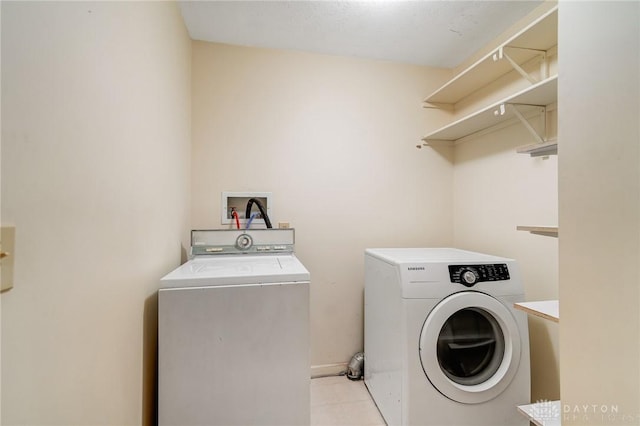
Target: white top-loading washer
(233, 332)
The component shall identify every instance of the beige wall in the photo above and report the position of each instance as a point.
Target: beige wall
(0, 216)
(334, 140)
(599, 187)
(95, 176)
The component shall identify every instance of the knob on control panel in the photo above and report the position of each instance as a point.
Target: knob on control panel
(244, 242)
(469, 275)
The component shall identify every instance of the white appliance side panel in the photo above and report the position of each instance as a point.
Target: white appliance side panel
(236, 355)
(383, 337)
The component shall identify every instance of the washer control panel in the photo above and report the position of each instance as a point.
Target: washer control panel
(242, 241)
(469, 275)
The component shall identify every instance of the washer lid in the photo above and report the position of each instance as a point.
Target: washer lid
(236, 270)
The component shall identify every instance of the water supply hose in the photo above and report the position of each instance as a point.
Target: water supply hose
(261, 208)
(234, 214)
(253, 216)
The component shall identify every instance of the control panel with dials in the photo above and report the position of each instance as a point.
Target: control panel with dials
(241, 241)
(469, 275)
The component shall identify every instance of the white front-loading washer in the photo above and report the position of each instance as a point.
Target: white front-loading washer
(233, 332)
(443, 344)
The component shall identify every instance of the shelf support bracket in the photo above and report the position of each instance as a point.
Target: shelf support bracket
(503, 53)
(539, 138)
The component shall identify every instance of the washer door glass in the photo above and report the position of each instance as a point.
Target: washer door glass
(470, 347)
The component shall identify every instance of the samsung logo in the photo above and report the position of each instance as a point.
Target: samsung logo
(416, 268)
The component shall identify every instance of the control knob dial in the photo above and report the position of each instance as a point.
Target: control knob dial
(469, 277)
(244, 242)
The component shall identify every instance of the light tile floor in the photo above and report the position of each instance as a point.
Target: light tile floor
(338, 401)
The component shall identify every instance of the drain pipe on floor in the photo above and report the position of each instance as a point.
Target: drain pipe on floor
(355, 370)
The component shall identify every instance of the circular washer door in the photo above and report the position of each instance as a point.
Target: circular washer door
(470, 347)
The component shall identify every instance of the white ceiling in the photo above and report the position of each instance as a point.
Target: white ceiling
(425, 32)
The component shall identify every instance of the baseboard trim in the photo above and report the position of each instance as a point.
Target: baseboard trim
(328, 369)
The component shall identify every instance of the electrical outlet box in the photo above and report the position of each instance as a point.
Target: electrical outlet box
(237, 201)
